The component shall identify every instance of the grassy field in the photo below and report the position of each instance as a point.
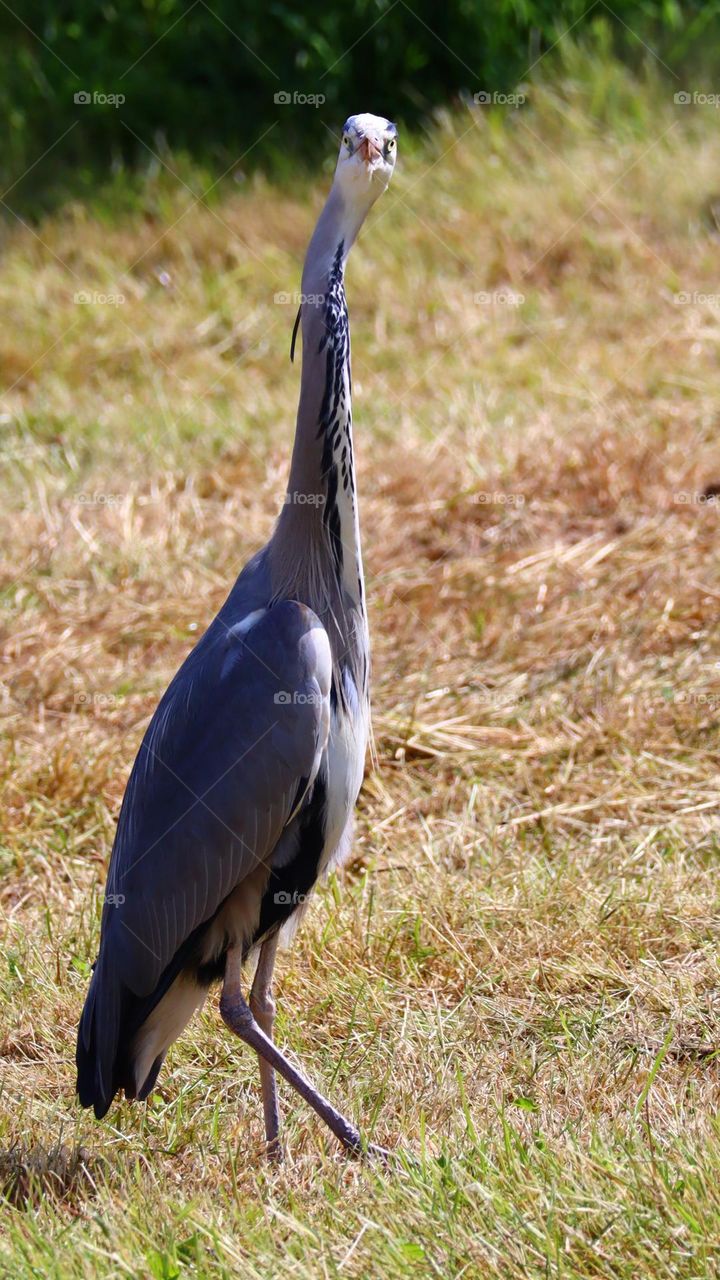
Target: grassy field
(514, 984)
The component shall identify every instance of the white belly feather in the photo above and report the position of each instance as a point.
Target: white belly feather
(345, 766)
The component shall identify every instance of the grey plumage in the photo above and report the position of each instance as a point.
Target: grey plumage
(243, 788)
(216, 778)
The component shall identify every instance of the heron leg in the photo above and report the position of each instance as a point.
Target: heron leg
(239, 1018)
(262, 1007)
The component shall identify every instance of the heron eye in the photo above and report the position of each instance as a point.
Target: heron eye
(389, 146)
(346, 139)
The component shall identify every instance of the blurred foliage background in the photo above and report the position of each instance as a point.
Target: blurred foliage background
(203, 79)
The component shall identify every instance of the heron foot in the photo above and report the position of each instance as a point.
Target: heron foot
(381, 1154)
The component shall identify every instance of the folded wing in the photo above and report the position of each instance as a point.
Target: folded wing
(232, 747)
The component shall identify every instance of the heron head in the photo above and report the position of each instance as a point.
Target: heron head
(367, 157)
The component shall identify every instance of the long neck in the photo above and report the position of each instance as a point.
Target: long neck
(315, 551)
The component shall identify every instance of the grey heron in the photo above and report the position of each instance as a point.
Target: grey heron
(243, 790)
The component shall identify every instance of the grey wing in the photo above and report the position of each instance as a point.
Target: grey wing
(232, 746)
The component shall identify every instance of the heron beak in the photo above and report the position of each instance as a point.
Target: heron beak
(370, 152)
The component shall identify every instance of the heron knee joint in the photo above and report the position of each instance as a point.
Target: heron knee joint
(236, 1014)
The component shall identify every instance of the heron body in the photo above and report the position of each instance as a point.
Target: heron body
(242, 792)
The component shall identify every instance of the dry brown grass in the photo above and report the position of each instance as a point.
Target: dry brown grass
(516, 980)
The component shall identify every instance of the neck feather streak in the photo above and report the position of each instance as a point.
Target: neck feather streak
(315, 552)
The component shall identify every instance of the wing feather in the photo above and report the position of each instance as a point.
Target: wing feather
(214, 783)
